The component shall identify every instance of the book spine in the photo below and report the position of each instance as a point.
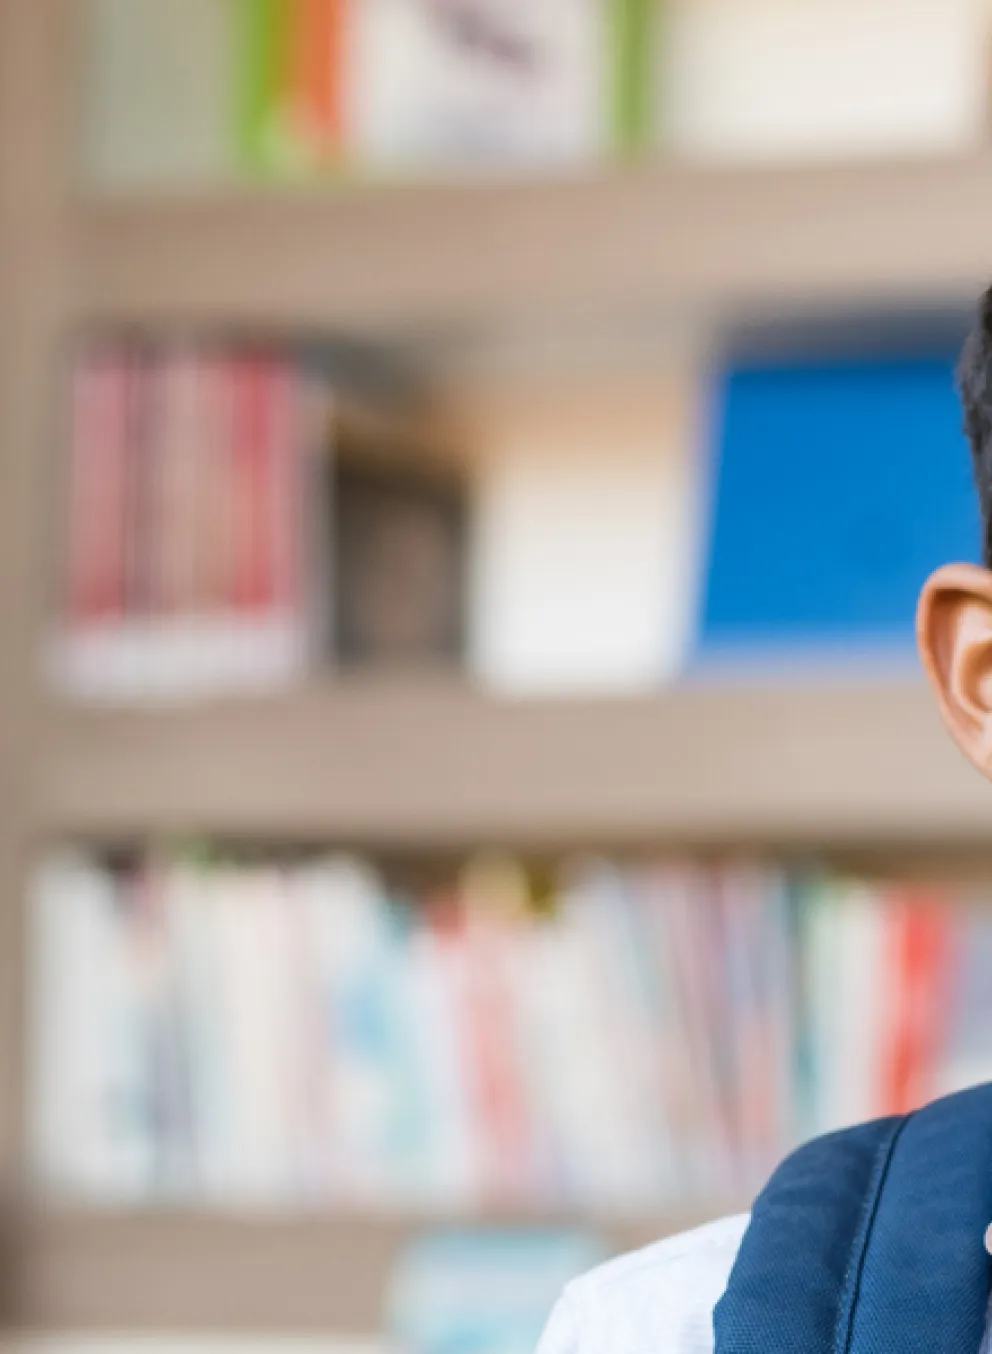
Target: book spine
(285, 525)
(253, 452)
(139, 548)
(633, 45)
(317, 54)
(920, 936)
(215, 549)
(262, 43)
(179, 480)
(94, 560)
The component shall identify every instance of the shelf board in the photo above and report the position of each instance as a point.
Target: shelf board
(147, 1272)
(728, 242)
(436, 765)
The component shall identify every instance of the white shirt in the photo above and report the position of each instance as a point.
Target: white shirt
(656, 1301)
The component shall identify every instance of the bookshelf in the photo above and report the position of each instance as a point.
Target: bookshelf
(857, 765)
(435, 765)
(711, 244)
(211, 1273)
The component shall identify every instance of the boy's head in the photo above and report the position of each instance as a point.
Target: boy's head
(975, 376)
(954, 622)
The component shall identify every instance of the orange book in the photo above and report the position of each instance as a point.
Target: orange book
(316, 75)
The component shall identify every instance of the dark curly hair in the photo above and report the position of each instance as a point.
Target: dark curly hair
(975, 384)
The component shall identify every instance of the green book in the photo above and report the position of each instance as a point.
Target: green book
(262, 45)
(635, 26)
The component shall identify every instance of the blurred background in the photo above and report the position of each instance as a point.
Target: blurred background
(468, 801)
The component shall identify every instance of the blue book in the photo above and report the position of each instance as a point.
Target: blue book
(837, 488)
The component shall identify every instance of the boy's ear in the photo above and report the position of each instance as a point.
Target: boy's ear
(954, 631)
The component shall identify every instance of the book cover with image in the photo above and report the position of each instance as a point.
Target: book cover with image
(477, 83)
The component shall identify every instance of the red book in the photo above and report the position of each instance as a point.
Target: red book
(98, 448)
(178, 483)
(285, 524)
(214, 543)
(922, 926)
(253, 460)
(139, 452)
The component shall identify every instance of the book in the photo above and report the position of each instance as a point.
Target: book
(837, 487)
(188, 537)
(965, 1058)
(302, 1031)
(399, 532)
(486, 1290)
(637, 83)
(93, 566)
(468, 85)
(85, 1004)
(586, 532)
(824, 79)
(920, 930)
(158, 90)
(296, 66)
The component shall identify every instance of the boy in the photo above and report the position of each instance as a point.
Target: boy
(870, 1240)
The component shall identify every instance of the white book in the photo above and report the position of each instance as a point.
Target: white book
(798, 79)
(194, 942)
(157, 92)
(587, 525)
(850, 995)
(586, 1096)
(479, 83)
(627, 991)
(89, 1128)
(255, 984)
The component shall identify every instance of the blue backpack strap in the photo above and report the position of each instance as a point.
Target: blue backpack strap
(925, 1280)
(789, 1282)
(871, 1241)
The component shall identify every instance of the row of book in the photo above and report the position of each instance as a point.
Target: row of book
(232, 524)
(201, 89)
(607, 1038)
(221, 535)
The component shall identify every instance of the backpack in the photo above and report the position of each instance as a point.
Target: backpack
(871, 1241)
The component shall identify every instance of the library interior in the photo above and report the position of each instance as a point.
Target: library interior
(591, 370)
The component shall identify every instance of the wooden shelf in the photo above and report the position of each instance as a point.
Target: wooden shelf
(726, 242)
(436, 765)
(87, 1272)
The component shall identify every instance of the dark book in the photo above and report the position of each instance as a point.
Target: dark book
(399, 534)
